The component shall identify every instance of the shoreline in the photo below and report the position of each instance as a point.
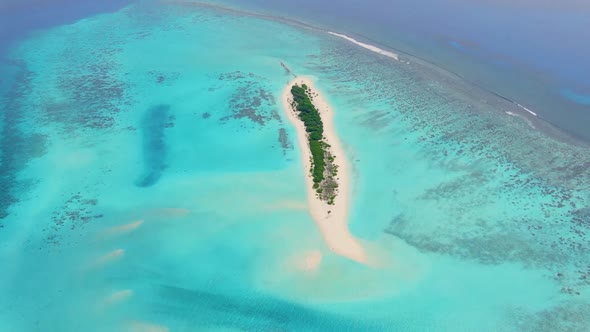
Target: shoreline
(332, 220)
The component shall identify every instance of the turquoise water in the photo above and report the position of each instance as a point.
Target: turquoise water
(151, 180)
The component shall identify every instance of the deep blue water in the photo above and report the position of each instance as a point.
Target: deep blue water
(526, 51)
(20, 18)
(531, 53)
(547, 37)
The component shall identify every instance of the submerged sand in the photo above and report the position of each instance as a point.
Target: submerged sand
(332, 220)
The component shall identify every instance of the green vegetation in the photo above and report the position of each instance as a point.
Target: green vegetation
(323, 170)
(315, 131)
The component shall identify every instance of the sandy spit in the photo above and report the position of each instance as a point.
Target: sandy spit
(332, 220)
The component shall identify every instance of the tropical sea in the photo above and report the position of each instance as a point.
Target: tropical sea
(527, 51)
(151, 182)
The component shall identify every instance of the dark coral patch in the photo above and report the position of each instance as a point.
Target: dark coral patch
(155, 148)
(75, 213)
(284, 140)
(93, 92)
(250, 100)
(17, 144)
(163, 78)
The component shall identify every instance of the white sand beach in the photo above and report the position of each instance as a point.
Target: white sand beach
(332, 220)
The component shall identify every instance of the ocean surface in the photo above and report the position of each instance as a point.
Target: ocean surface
(151, 182)
(532, 52)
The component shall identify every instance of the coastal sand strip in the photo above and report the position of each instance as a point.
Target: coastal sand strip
(332, 220)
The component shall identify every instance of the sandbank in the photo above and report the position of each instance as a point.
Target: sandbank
(114, 298)
(107, 258)
(123, 229)
(138, 326)
(332, 220)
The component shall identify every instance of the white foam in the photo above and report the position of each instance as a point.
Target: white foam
(521, 117)
(526, 109)
(367, 46)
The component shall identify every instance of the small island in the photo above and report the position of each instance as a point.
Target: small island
(323, 168)
(325, 165)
